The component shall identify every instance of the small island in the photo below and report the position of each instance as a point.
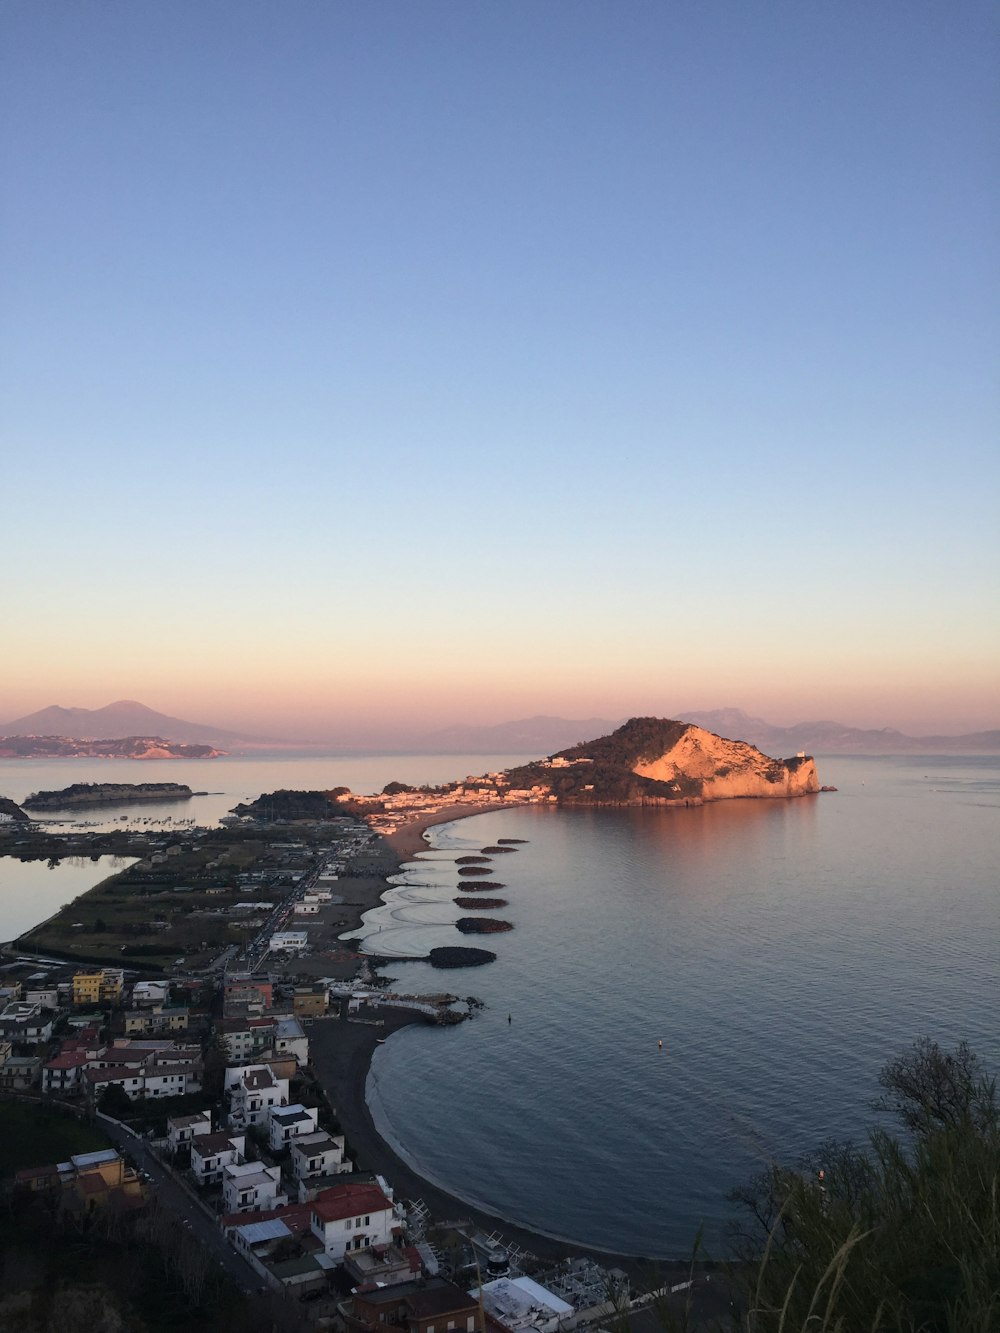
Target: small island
(82, 795)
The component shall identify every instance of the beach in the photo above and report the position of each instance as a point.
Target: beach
(409, 838)
(340, 1052)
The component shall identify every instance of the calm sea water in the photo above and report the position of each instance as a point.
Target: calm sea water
(31, 892)
(782, 952)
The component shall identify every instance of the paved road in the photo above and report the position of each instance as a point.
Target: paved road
(203, 1227)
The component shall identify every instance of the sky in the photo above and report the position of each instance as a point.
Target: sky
(376, 365)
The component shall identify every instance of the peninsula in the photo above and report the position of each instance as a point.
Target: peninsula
(86, 794)
(655, 761)
(646, 761)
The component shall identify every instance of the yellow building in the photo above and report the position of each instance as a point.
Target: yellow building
(103, 987)
(309, 1001)
(149, 1022)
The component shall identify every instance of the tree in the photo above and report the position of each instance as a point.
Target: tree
(900, 1235)
(115, 1101)
(928, 1088)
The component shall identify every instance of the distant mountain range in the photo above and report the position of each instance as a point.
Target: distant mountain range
(124, 718)
(541, 735)
(546, 735)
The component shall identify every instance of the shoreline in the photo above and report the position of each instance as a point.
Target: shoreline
(409, 838)
(341, 1053)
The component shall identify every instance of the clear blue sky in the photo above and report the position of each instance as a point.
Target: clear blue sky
(457, 361)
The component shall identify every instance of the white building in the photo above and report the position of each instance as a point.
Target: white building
(305, 908)
(183, 1129)
(288, 1122)
(351, 1217)
(520, 1303)
(320, 1154)
(150, 992)
(212, 1153)
(289, 941)
(289, 1039)
(249, 1187)
(253, 1096)
(26, 1024)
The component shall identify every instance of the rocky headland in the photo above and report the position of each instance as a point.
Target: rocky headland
(657, 761)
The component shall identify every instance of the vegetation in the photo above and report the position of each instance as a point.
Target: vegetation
(106, 793)
(901, 1236)
(33, 1135)
(280, 806)
(69, 1272)
(608, 778)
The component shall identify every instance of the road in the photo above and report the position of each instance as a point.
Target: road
(173, 1196)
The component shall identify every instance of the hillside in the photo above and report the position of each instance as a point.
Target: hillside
(127, 747)
(123, 718)
(654, 761)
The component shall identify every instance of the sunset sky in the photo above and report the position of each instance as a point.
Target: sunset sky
(375, 365)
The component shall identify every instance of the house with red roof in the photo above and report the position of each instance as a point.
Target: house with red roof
(352, 1217)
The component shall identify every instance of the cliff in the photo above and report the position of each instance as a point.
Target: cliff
(11, 813)
(657, 761)
(729, 768)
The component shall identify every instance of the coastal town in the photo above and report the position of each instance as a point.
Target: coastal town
(199, 1016)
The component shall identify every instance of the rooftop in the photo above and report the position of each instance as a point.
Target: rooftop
(341, 1201)
(207, 1144)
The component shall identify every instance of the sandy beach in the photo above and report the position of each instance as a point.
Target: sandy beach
(409, 838)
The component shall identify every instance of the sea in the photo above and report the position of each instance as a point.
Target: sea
(686, 995)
